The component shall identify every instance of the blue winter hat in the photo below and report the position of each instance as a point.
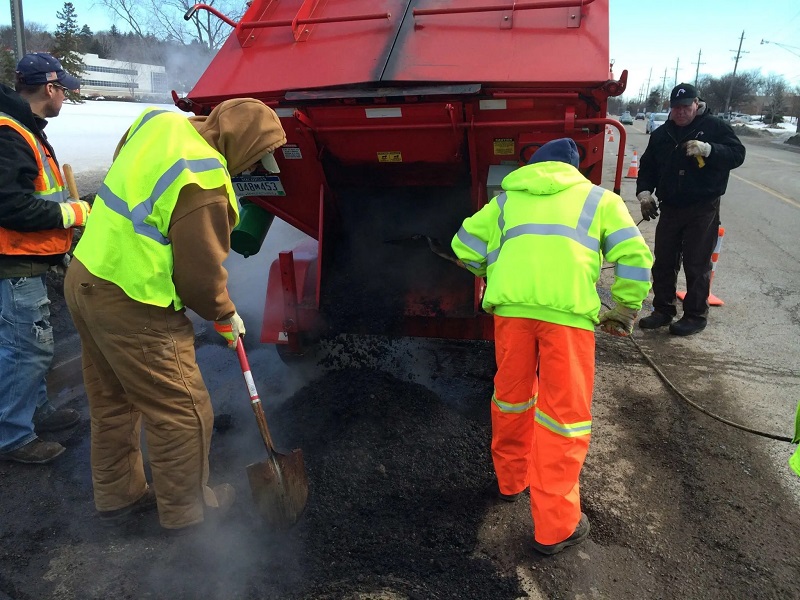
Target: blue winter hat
(562, 150)
(41, 67)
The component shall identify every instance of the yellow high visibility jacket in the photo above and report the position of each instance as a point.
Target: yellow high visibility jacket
(541, 244)
(49, 185)
(126, 239)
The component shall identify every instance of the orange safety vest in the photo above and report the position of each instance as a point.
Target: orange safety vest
(48, 185)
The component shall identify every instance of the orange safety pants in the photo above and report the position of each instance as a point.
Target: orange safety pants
(541, 418)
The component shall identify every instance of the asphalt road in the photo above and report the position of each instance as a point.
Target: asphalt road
(681, 505)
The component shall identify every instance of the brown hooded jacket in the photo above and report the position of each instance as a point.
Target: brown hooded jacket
(242, 130)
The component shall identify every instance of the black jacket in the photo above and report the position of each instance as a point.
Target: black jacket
(677, 179)
(20, 210)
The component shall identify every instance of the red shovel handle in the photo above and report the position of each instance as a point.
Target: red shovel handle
(255, 400)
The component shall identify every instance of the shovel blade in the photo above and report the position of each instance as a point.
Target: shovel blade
(279, 487)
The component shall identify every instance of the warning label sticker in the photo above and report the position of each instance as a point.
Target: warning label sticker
(503, 147)
(390, 157)
(291, 152)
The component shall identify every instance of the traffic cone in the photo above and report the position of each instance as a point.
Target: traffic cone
(712, 299)
(633, 170)
(610, 135)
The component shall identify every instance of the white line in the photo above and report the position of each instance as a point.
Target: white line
(770, 191)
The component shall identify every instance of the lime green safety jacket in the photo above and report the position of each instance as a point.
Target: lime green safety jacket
(126, 239)
(541, 244)
(794, 461)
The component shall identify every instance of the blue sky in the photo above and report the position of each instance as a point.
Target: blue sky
(645, 35)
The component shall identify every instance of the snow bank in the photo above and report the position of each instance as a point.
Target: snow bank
(85, 135)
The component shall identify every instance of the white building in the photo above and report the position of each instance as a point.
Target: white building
(121, 79)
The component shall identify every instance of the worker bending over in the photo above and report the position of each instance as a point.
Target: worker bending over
(159, 233)
(540, 244)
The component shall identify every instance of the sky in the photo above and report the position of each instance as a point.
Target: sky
(645, 37)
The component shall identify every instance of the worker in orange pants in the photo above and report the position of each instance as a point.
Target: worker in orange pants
(540, 244)
(541, 418)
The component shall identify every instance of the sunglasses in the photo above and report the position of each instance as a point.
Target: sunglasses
(61, 87)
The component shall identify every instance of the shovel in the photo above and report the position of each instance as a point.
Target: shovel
(433, 244)
(279, 484)
(69, 177)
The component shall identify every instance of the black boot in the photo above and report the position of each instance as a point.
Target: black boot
(687, 325)
(655, 320)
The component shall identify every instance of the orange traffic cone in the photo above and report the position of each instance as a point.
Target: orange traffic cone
(610, 135)
(633, 170)
(712, 299)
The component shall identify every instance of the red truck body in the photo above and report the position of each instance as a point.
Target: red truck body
(402, 117)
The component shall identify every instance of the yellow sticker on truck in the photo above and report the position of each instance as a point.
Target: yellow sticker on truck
(504, 147)
(390, 157)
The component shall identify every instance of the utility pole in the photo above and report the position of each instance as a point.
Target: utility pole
(18, 24)
(676, 71)
(647, 91)
(697, 72)
(661, 93)
(733, 79)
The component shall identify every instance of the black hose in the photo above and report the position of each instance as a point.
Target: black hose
(705, 411)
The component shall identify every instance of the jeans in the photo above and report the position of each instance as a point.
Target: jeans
(26, 352)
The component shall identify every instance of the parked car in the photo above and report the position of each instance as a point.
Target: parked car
(626, 118)
(640, 116)
(655, 121)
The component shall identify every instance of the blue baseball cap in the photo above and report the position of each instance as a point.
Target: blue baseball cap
(40, 68)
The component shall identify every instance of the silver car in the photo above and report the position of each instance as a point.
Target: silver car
(655, 121)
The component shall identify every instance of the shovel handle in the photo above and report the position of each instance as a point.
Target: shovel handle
(69, 177)
(255, 400)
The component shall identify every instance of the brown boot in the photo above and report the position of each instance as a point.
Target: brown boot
(37, 452)
(146, 502)
(57, 420)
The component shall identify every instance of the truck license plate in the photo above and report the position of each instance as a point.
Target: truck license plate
(257, 185)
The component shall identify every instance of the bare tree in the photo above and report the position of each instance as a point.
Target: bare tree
(164, 19)
(774, 89)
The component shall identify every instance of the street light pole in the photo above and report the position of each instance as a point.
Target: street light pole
(18, 24)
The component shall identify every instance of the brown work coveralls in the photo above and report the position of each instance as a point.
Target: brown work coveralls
(139, 359)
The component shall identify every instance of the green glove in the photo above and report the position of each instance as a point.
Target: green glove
(618, 321)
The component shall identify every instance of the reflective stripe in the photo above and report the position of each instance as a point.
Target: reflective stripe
(507, 407)
(578, 234)
(564, 429)
(472, 242)
(145, 119)
(620, 236)
(144, 209)
(633, 273)
(553, 229)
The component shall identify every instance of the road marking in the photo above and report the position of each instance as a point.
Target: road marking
(777, 160)
(768, 190)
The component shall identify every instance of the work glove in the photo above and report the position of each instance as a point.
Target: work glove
(648, 204)
(231, 329)
(74, 213)
(697, 148)
(618, 321)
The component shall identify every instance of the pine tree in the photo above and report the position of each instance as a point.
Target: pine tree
(7, 67)
(67, 43)
(85, 39)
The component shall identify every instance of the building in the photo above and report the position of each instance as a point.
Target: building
(122, 79)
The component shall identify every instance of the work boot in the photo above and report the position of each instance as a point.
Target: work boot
(57, 420)
(37, 452)
(118, 516)
(225, 494)
(655, 320)
(580, 533)
(687, 325)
